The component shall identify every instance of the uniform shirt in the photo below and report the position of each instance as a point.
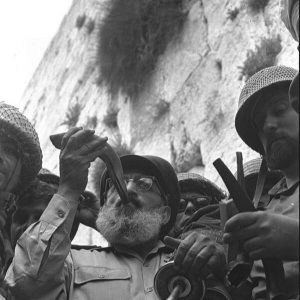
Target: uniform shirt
(284, 201)
(44, 266)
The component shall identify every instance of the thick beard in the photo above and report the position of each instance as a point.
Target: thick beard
(129, 226)
(282, 154)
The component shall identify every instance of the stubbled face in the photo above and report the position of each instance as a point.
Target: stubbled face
(137, 222)
(10, 170)
(278, 130)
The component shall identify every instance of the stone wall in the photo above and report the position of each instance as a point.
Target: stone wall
(185, 113)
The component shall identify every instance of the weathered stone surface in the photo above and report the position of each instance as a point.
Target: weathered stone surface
(186, 110)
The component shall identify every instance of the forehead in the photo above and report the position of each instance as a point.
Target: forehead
(271, 98)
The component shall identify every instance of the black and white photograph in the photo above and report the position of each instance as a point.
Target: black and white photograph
(149, 150)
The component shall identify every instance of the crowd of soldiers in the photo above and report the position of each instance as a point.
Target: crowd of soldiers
(169, 240)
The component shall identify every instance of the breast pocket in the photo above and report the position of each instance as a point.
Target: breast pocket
(101, 283)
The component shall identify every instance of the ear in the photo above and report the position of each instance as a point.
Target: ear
(166, 214)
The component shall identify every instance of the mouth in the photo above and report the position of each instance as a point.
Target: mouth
(275, 140)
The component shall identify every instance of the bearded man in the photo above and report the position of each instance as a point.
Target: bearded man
(268, 124)
(44, 267)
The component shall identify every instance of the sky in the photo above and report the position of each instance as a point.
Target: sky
(26, 29)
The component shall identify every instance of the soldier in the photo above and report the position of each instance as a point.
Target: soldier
(20, 161)
(268, 124)
(198, 207)
(44, 267)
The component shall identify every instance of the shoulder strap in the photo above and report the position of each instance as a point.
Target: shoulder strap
(261, 178)
(240, 170)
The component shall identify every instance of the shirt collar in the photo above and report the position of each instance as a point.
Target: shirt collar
(160, 246)
(281, 188)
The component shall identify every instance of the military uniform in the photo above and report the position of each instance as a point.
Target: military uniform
(44, 266)
(284, 201)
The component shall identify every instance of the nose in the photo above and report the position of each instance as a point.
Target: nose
(131, 189)
(190, 209)
(270, 123)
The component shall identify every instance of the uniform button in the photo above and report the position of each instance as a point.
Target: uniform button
(149, 289)
(61, 213)
(101, 276)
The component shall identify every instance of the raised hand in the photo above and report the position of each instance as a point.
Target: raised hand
(80, 147)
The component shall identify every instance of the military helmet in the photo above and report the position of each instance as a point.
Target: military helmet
(17, 127)
(191, 182)
(253, 89)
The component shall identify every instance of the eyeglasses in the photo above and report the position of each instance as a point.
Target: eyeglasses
(142, 184)
(198, 202)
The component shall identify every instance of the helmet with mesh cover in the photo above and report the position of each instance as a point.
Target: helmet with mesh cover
(191, 182)
(15, 126)
(253, 90)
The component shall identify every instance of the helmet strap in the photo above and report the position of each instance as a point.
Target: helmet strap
(261, 178)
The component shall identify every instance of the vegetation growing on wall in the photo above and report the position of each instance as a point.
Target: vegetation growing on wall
(72, 115)
(161, 108)
(91, 122)
(232, 13)
(132, 37)
(80, 21)
(90, 26)
(111, 118)
(262, 57)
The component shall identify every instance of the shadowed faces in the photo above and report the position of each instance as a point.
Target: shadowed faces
(278, 129)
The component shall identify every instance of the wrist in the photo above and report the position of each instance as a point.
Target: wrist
(68, 193)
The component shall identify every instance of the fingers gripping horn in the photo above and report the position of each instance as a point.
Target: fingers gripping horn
(112, 162)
